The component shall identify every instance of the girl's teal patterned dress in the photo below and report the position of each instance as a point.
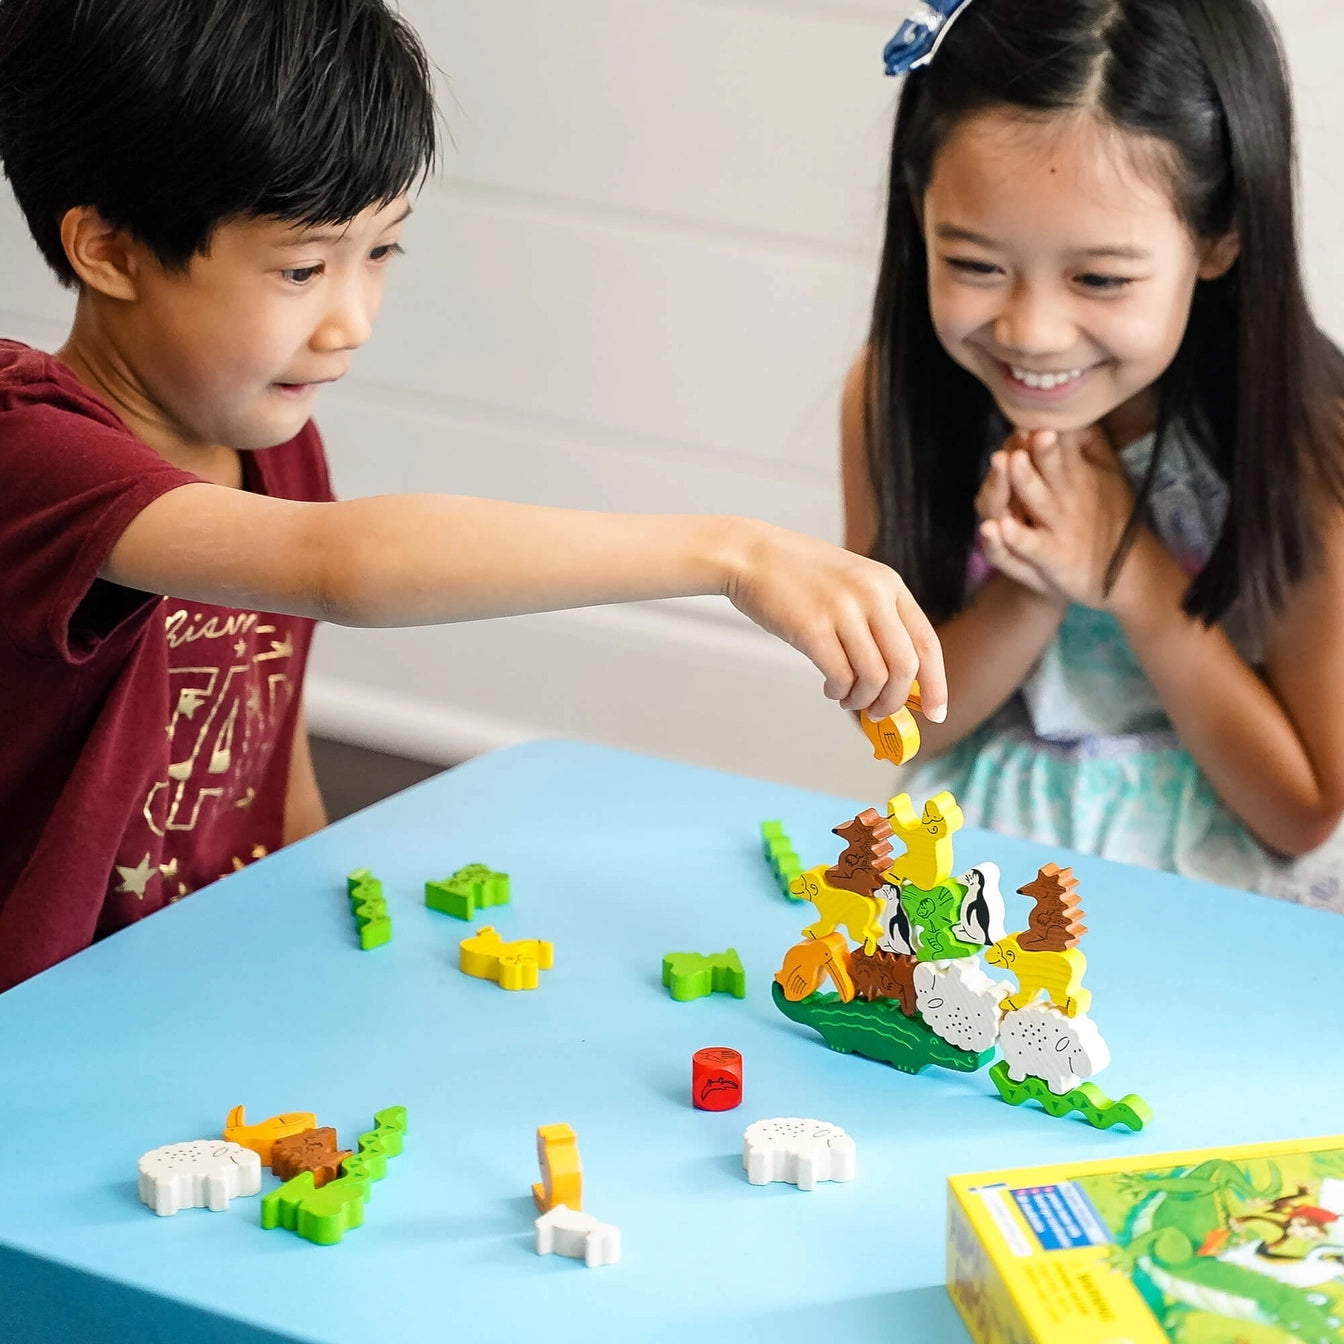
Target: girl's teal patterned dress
(1084, 755)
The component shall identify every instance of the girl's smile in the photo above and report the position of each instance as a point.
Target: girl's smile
(1060, 272)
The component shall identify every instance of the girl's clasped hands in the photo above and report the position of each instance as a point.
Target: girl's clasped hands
(1053, 508)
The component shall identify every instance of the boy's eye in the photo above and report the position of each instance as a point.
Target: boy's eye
(301, 275)
(386, 252)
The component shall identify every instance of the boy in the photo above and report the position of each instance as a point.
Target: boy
(225, 182)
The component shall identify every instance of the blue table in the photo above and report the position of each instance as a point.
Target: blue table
(1223, 1009)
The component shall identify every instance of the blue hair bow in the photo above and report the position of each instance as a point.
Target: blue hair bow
(917, 40)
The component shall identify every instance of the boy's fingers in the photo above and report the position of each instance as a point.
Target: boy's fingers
(928, 652)
(829, 656)
(870, 667)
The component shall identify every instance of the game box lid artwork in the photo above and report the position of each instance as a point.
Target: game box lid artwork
(1239, 1245)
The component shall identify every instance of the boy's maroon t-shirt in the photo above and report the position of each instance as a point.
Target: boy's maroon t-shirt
(146, 740)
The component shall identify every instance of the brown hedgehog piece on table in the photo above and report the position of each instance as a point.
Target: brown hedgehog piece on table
(867, 855)
(1056, 921)
(314, 1150)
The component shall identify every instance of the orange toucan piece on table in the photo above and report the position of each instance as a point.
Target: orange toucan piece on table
(807, 964)
(561, 1171)
(261, 1137)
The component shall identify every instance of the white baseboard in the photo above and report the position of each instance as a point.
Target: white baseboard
(380, 720)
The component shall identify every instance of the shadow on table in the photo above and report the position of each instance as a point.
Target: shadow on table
(46, 1303)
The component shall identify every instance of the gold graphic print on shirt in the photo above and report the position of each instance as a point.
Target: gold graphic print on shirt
(229, 677)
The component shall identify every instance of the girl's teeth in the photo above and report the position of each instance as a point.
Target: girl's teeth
(1045, 381)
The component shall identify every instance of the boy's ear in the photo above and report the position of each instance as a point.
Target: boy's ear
(102, 257)
(1220, 254)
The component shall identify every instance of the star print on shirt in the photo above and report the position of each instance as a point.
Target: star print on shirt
(135, 879)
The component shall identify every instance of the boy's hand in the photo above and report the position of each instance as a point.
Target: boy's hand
(1074, 501)
(853, 617)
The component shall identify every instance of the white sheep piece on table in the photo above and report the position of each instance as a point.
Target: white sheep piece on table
(959, 1002)
(801, 1152)
(201, 1173)
(1041, 1041)
(566, 1231)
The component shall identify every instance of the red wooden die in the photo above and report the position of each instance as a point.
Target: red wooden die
(716, 1078)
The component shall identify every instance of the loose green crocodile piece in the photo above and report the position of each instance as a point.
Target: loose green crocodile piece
(470, 890)
(878, 1030)
(1087, 1099)
(692, 975)
(779, 853)
(369, 908)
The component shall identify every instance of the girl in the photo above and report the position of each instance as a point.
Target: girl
(1098, 432)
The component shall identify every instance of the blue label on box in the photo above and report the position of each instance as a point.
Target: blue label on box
(1062, 1216)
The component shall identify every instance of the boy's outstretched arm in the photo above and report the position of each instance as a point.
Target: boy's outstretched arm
(429, 559)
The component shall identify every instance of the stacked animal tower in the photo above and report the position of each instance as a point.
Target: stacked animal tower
(909, 987)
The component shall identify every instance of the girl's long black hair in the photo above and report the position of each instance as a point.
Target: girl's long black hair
(1254, 377)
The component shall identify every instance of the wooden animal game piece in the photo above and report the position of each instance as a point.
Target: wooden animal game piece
(960, 1003)
(927, 861)
(261, 1137)
(716, 1079)
(1056, 920)
(693, 975)
(314, 1150)
(897, 935)
(469, 891)
(1042, 1042)
(807, 964)
(1059, 975)
(566, 1231)
(981, 921)
(801, 1152)
(320, 1216)
(931, 920)
(867, 854)
(885, 975)
(201, 1173)
(895, 738)
(561, 1171)
(513, 965)
(839, 909)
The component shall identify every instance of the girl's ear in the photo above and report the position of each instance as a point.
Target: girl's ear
(101, 255)
(1219, 256)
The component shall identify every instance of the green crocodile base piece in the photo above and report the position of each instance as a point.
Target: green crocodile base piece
(878, 1030)
(1088, 1100)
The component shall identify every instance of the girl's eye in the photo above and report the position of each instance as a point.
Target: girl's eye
(1091, 280)
(301, 275)
(968, 267)
(386, 252)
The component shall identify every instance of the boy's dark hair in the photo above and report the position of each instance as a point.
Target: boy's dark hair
(1254, 379)
(171, 117)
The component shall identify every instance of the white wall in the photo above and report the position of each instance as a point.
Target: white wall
(636, 285)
